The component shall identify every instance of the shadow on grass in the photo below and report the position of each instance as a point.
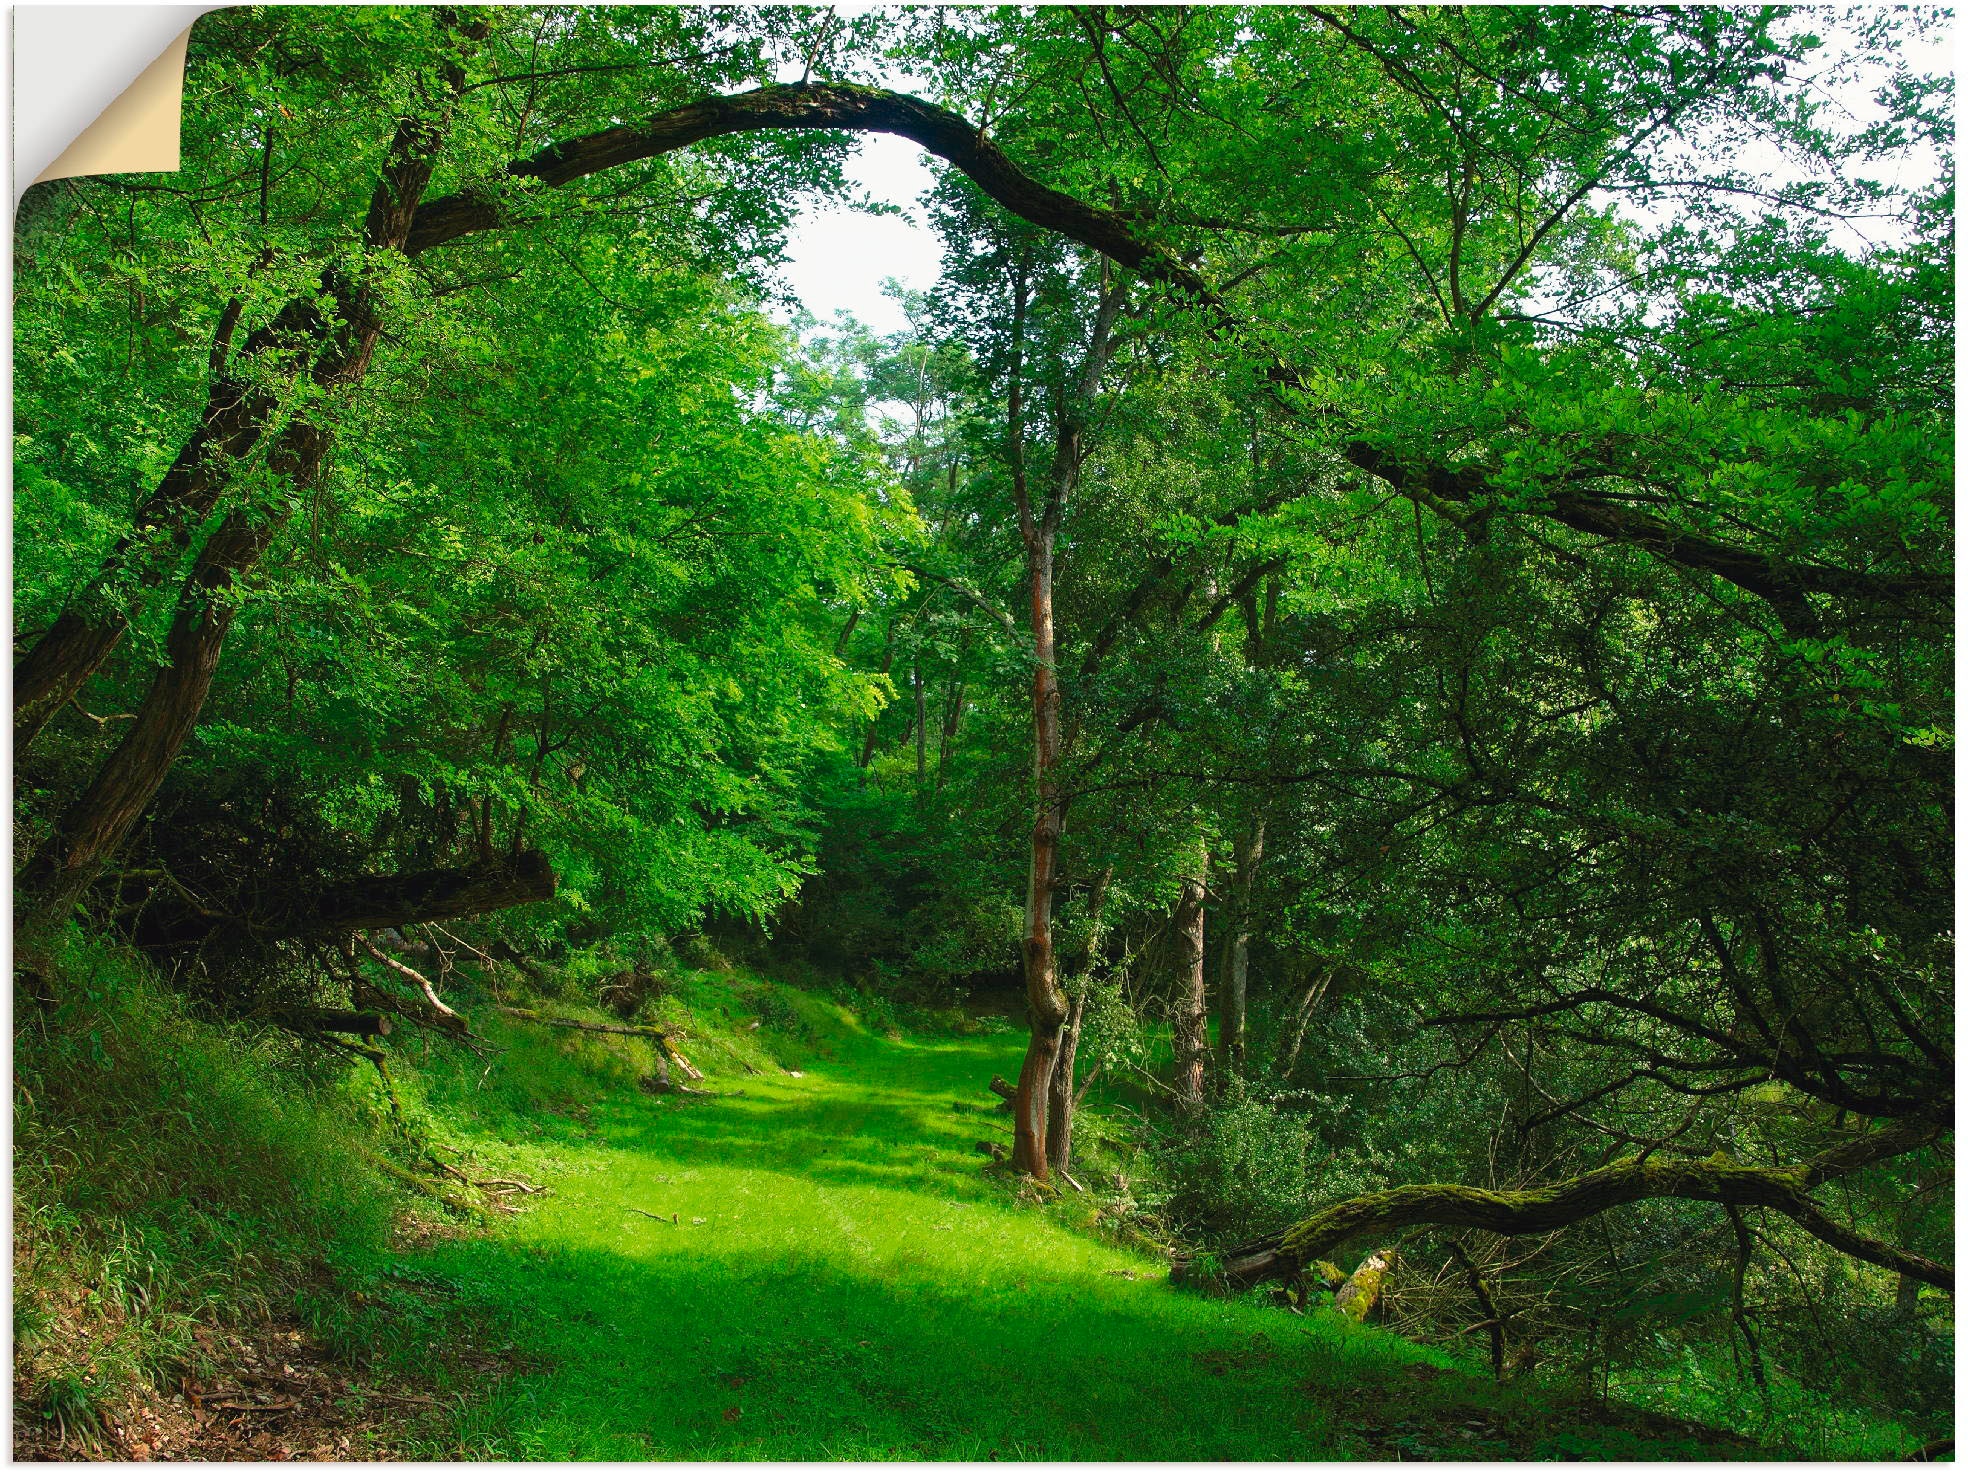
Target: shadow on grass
(834, 1278)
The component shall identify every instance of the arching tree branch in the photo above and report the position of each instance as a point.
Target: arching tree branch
(1550, 1208)
(828, 106)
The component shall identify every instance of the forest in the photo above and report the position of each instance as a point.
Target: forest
(1338, 761)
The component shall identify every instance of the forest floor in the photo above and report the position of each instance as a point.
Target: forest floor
(812, 1262)
(817, 1266)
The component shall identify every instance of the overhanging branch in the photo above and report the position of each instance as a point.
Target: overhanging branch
(838, 106)
(1551, 1208)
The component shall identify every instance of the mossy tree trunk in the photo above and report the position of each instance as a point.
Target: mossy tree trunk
(1284, 1255)
(1190, 1018)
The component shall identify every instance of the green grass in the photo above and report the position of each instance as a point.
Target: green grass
(842, 1280)
(167, 1173)
(826, 1269)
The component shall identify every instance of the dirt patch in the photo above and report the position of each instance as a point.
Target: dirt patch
(267, 1395)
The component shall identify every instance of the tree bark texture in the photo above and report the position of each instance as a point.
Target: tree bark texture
(1190, 1017)
(1550, 1208)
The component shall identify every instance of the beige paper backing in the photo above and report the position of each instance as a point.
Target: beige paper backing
(138, 132)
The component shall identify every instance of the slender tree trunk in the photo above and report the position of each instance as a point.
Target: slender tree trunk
(1059, 1094)
(874, 723)
(1234, 986)
(74, 647)
(1040, 532)
(946, 738)
(1038, 528)
(1191, 1015)
(1045, 1001)
(922, 725)
(1063, 1097)
(1302, 1019)
(103, 815)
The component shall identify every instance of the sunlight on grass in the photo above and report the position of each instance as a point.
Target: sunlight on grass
(825, 1271)
(835, 1276)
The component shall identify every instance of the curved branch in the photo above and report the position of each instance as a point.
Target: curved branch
(1551, 1208)
(1780, 583)
(838, 106)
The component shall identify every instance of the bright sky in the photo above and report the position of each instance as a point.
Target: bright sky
(837, 259)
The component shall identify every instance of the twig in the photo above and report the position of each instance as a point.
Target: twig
(416, 977)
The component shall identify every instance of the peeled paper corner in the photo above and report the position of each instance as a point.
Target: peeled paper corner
(93, 91)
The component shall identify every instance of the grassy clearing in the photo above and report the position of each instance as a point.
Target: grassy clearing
(813, 1265)
(817, 1267)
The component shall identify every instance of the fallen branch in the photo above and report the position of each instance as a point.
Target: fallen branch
(665, 1039)
(621, 1029)
(489, 1185)
(446, 1017)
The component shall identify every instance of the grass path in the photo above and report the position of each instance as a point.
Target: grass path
(842, 1281)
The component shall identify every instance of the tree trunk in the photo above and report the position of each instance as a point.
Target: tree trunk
(922, 725)
(1064, 1096)
(1039, 530)
(1302, 1019)
(1045, 1001)
(98, 821)
(74, 647)
(1191, 1014)
(1233, 989)
(372, 902)
(1060, 1098)
(874, 722)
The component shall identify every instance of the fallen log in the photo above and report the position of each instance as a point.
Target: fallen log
(318, 909)
(622, 1029)
(1358, 1294)
(1284, 1255)
(370, 1024)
